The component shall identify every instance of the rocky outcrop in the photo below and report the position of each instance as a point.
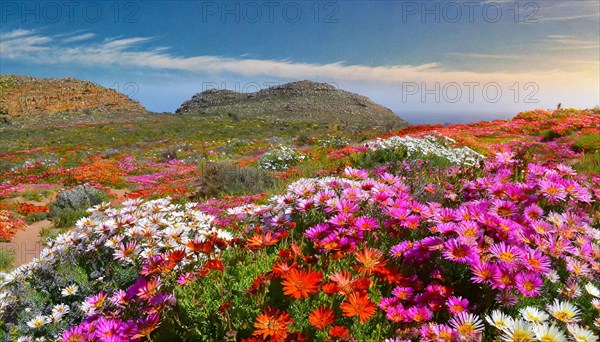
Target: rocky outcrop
(25, 96)
(318, 103)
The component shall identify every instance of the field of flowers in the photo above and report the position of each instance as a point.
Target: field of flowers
(481, 232)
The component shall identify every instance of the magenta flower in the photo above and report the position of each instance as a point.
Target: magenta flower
(529, 284)
(457, 250)
(552, 191)
(506, 254)
(366, 223)
(484, 272)
(457, 305)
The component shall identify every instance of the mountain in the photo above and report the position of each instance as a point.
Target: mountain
(31, 96)
(306, 101)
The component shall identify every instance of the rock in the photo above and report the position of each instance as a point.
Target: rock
(27, 96)
(78, 198)
(302, 101)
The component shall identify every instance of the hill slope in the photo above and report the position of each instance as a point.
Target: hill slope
(305, 101)
(26, 96)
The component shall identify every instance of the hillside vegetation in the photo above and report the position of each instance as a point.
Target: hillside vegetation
(217, 227)
(303, 101)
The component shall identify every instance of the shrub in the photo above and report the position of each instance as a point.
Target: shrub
(430, 146)
(71, 205)
(333, 142)
(280, 158)
(224, 178)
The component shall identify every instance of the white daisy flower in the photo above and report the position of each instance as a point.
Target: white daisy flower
(593, 290)
(581, 334)
(499, 319)
(69, 290)
(534, 315)
(38, 321)
(549, 333)
(564, 311)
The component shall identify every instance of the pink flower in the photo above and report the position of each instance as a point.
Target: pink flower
(529, 284)
(457, 250)
(457, 305)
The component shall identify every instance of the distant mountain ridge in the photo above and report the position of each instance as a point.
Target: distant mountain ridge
(318, 103)
(26, 95)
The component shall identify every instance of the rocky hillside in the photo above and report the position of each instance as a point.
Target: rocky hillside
(302, 101)
(26, 96)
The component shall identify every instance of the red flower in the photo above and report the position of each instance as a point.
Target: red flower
(299, 283)
(260, 241)
(174, 257)
(199, 246)
(361, 284)
(272, 323)
(358, 304)
(370, 260)
(214, 265)
(321, 317)
(330, 288)
(283, 268)
(338, 332)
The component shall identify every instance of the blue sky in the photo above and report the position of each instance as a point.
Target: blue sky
(429, 61)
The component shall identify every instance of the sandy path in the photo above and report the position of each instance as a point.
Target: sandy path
(26, 244)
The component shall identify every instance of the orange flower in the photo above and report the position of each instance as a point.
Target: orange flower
(338, 332)
(358, 305)
(259, 241)
(343, 282)
(370, 260)
(174, 257)
(214, 264)
(299, 283)
(330, 288)
(199, 246)
(321, 317)
(283, 268)
(272, 323)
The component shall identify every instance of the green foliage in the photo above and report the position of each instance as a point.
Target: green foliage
(587, 142)
(589, 163)
(373, 159)
(66, 218)
(71, 205)
(550, 134)
(227, 179)
(34, 217)
(199, 316)
(6, 260)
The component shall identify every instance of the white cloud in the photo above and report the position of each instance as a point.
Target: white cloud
(15, 34)
(79, 38)
(132, 53)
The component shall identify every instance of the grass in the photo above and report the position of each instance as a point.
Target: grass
(6, 260)
(587, 142)
(589, 163)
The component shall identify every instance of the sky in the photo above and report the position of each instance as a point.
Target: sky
(428, 61)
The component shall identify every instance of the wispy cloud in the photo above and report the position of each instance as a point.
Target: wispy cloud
(570, 17)
(79, 38)
(568, 42)
(15, 34)
(133, 52)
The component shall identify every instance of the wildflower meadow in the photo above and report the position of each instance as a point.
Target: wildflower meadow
(481, 232)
